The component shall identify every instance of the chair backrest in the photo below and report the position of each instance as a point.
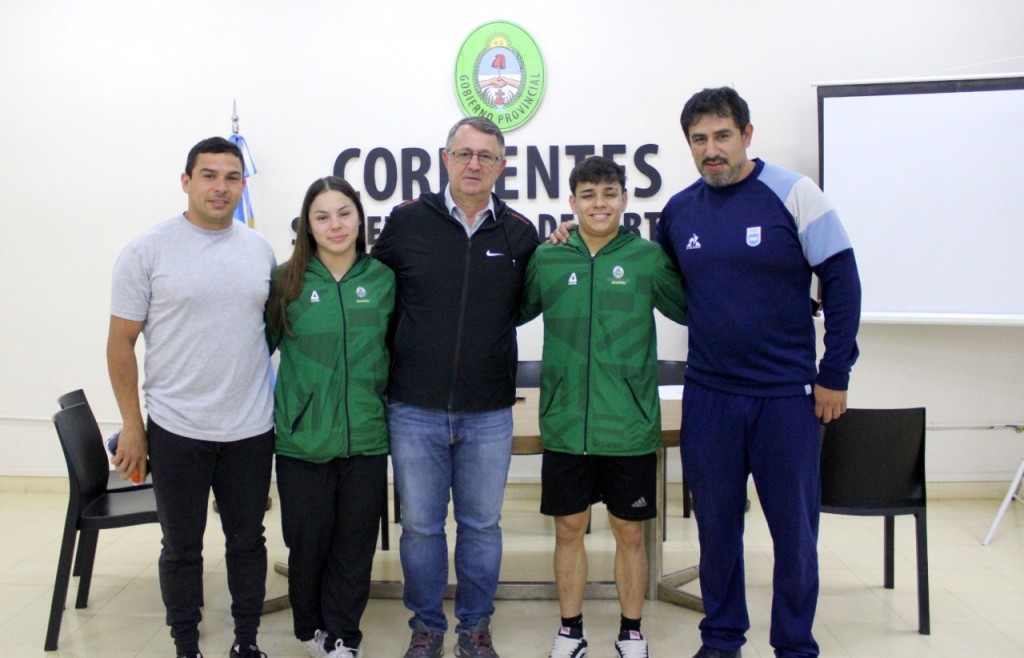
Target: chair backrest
(874, 458)
(82, 443)
(671, 373)
(72, 398)
(528, 374)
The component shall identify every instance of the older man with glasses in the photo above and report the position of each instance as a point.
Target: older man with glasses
(459, 258)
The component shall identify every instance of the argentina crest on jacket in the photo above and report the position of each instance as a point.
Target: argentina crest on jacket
(753, 236)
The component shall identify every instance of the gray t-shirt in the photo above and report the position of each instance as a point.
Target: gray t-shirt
(201, 294)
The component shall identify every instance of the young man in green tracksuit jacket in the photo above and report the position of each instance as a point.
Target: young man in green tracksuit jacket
(600, 415)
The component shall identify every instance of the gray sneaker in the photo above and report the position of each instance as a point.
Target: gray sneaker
(425, 643)
(476, 642)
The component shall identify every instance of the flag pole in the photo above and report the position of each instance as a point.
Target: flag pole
(243, 212)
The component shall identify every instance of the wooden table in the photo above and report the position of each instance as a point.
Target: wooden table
(526, 441)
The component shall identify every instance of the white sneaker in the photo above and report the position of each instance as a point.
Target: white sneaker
(568, 647)
(634, 647)
(315, 647)
(341, 651)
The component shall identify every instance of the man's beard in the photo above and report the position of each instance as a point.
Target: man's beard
(727, 177)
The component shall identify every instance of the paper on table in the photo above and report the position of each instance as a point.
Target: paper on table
(674, 392)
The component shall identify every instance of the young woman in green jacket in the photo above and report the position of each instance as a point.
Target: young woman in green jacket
(328, 315)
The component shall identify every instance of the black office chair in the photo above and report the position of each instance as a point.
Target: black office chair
(673, 373)
(114, 481)
(528, 374)
(91, 508)
(872, 464)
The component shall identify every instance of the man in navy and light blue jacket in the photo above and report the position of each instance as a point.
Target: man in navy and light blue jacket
(747, 237)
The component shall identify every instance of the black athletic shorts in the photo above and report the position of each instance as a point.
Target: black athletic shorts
(627, 485)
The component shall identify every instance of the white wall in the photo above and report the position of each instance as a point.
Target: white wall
(100, 101)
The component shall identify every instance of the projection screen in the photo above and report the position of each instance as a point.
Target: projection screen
(928, 179)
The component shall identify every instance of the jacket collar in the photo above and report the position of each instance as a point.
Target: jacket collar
(317, 268)
(436, 201)
(624, 236)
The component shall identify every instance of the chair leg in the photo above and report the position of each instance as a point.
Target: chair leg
(662, 458)
(60, 585)
(890, 552)
(923, 607)
(398, 507)
(1011, 493)
(687, 500)
(385, 537)
(87, 540)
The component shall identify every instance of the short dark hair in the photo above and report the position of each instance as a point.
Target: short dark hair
(210, 145)
(482, 124)
(597, 169)
(721, 101)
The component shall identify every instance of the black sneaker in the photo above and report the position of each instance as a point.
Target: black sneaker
(190, 655)
(251, 651)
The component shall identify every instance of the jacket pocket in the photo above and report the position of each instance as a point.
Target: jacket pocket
(548, 397)
(299, 417)
(637, 401)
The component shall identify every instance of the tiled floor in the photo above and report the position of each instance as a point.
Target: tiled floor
(977, 592)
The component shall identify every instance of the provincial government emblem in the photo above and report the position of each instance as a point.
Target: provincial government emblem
(499, 74)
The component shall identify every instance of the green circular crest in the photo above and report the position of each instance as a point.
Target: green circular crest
(499, 74)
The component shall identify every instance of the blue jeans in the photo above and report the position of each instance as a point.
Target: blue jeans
(467, 453)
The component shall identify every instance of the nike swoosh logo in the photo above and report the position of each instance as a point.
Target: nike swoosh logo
(492, 254)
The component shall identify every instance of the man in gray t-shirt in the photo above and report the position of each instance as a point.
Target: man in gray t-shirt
(195, 287)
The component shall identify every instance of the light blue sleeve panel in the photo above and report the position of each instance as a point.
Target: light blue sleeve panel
(821, 233)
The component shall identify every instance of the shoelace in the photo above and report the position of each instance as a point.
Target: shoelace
(420, 641)
(317, 643)
(341, 651)
(482, 641)
(632, 648)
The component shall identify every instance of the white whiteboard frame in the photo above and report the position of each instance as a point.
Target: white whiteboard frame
(898, 141)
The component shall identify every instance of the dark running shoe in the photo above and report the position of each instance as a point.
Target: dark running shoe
(476, 642)
(425, 643)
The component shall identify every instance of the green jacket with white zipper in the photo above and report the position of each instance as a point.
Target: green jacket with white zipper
(329, 399)
(599, 378)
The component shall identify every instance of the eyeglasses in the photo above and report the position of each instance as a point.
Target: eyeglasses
(465, 157)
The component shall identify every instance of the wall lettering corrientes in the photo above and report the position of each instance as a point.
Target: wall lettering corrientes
(536, 173)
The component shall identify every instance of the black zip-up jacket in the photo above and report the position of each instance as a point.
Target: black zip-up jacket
(453, 332)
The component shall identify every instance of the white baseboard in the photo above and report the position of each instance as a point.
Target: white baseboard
(522, 489)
